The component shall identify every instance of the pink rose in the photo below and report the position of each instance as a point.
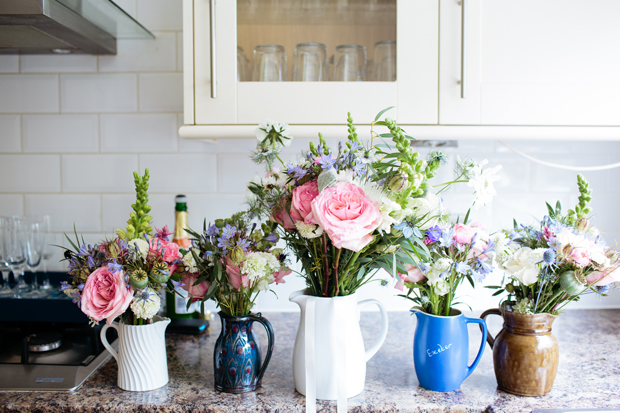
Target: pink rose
(279, 275)
(235, 277)
(463, 234)
(580, 256)
(600, 278)
(346, 215)
(413, 275)
(301, 204)
(281, 215)
(195, 291)
(105, 295)
(171, 250)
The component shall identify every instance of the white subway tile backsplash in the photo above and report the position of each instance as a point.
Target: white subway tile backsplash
(10, 140)
(9, 63)
(191, 173)
(179, 52)
(161, 92)
(212, 207)
(545, 178)
(142, 55)
(11, 204)
(597, 147)
(60, 133)
(67, 211)
(525, 208)
(58, 63)
(115, 210)
(99, 93)
(99, 173)
(165, 15)
(29, 93)
(139, 133)
(30, 173)
(539, 147)
(56, 261)
(235, 171)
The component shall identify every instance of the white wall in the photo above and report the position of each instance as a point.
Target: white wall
(74, 128)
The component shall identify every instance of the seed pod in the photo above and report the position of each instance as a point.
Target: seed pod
(160, 273)
(138, 279)
(509, 288)
(399, 182)
(571, 283)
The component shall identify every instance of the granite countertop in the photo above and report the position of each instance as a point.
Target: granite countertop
(588, 375)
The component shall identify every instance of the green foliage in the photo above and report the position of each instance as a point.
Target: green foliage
(139, 221)
(582, 208)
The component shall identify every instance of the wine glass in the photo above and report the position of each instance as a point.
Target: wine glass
(14, 238)
(34, 253)
(5, 291)
(47, 250)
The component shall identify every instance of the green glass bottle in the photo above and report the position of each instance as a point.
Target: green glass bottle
(176, 305)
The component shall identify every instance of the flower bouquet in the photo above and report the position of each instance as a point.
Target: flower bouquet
(125, 277)
(230, 262)
(550, 264)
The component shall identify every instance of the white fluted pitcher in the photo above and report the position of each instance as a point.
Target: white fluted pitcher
(329, 358)
(141, 357)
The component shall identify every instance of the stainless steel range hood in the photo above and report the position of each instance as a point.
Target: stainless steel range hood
(65, 26)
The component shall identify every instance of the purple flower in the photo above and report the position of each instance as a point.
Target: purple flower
(409, 229)
(433, 233)
(326, 161)
(176, 284)
(297, 170)
(228, 231)
(355, 146)
(212, 231)
(273, 237)
(64, 286)
(91, 262)
(462, 267)
(114, 266)
(84, 251)
(447, 238)
(244, 244)
(163, 233)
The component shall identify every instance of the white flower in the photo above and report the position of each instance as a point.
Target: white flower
(441, 287)
(190, 262)
(523, 264)
(501, 251)
(308, 231)
(267, 125)
(254, 266)
(525, 306)
(482, 181)
(593, 232)
(427, 209)
(146, 304)
(263, 284)
(250, 196)
(388, 208)
(141, 245)
(438, 268)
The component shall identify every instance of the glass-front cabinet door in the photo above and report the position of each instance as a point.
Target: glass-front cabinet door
(309, 62)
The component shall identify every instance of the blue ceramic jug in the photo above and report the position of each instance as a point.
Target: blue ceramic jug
(236, 357)
(441, 348)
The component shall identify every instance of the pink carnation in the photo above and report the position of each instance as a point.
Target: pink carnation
(301, 204)
(279, 275)
(346, 215)
(105, 295)
(463, 234)
(195, 291)
(580, 256)
(171, 250)
(413, 275)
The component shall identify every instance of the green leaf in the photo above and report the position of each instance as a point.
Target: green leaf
(466, 216)
(498, 292)
(550, 209)
(382, 112)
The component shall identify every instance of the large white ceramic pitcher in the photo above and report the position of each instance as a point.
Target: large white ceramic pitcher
(329, 359)
(141, 357)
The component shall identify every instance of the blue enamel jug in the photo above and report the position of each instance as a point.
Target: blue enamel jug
(441, 348)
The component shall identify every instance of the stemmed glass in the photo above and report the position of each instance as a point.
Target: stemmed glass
(47, 250)
(15, 237)
(35, 239)
(5, 291)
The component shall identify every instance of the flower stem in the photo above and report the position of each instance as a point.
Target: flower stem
(336, 270)
(325, 264)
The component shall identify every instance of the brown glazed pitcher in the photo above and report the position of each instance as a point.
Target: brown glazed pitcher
(525, 353)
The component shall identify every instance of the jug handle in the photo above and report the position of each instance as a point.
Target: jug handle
(483, 316)
(384, 327)
(104, 340)
(483, 326)
(270, 339)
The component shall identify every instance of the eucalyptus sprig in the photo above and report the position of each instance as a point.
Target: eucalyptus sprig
(139, 221)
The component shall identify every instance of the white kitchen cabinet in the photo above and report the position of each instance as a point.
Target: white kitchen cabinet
(217, 104)
(531, 62)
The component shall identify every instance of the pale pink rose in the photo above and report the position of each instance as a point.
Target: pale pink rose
(279, 275)
(105, 295)
(463, 234)
(301, 204)
(601, 278)
(597, 254)
(346, 215)
(171, 250)
(281, 215)
(235, 277)
(413, 275)
(580, 256)
(195, 291)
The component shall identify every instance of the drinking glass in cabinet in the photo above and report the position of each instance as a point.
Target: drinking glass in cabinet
(310, 62)
(242, 65)
(385, 61)
(350, 63)
(269, 63)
